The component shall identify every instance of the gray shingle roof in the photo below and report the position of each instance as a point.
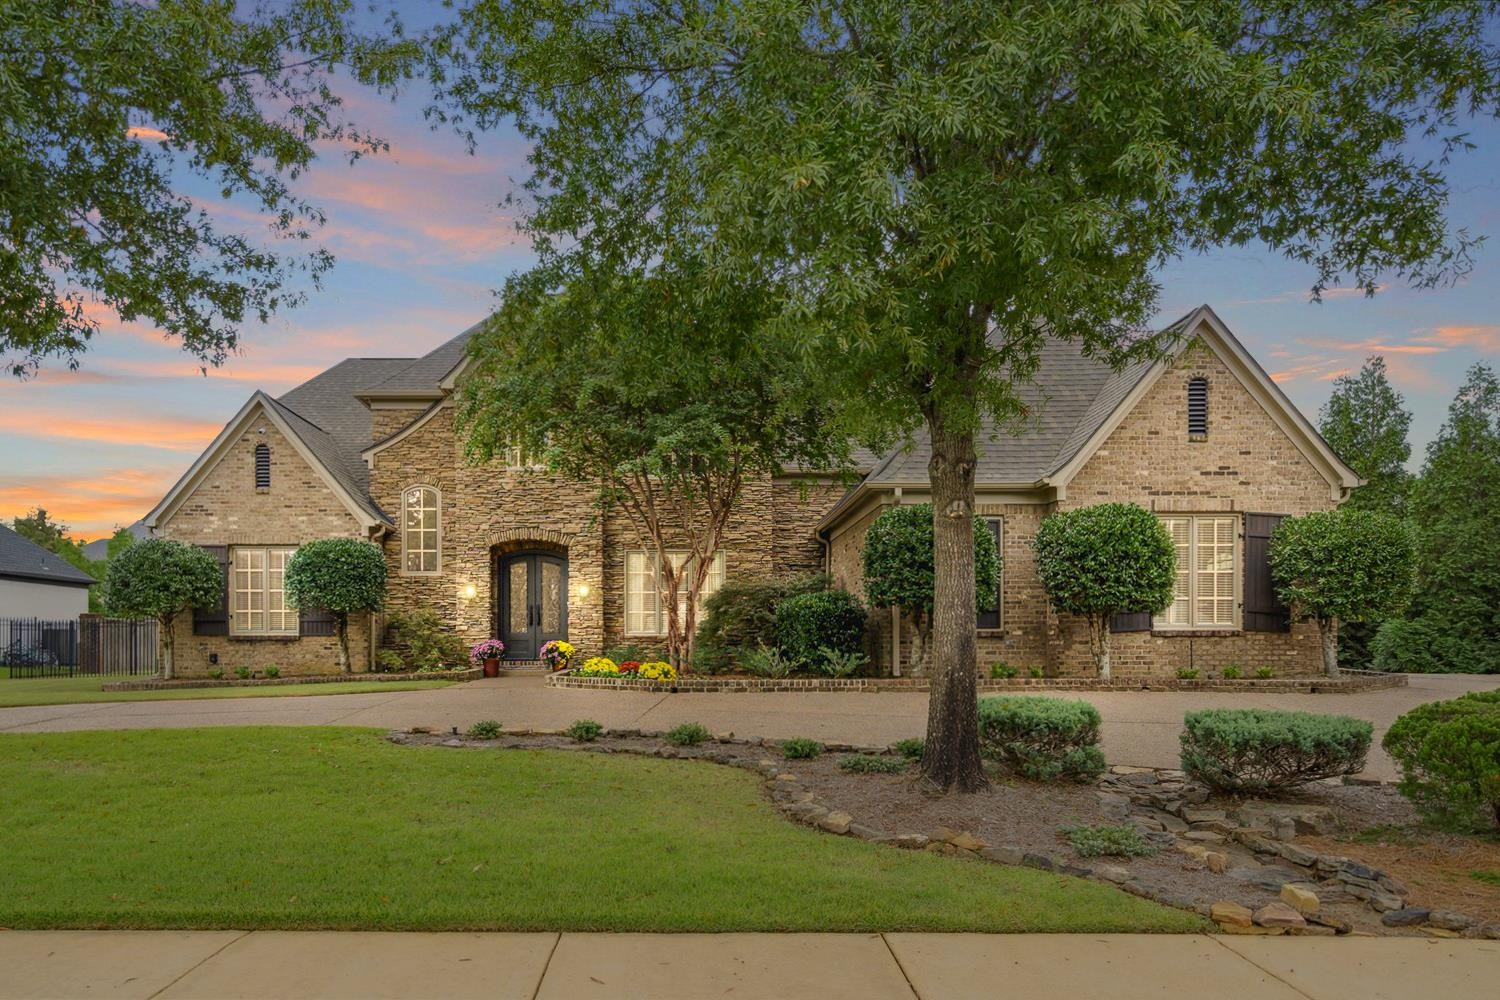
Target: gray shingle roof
(423, 374)
(22, 558)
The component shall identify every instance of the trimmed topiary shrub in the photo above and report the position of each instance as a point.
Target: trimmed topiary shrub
(162, 579)
(741, 617)
(800, 748)
(1256, 750)
(1042, 738)
(342, 576)
(1449, 752)
(807, 624)
(688, 734)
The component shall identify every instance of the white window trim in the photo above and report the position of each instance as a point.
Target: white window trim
(437, 502)
(678, 556)
(1236, 572)
(287, 612)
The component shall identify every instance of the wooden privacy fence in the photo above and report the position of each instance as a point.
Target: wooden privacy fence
(91, 645)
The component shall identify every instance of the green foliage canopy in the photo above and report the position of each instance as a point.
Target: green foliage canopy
(161, 579)
(1366, 423)
(343, 576)
(1449, 752)
(107, 106)
(1106, 559)
(898, 561)
(1345, 564)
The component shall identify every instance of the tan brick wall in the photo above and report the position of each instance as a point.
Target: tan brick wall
(1021, 640)
(1246, 464)
(226, 509)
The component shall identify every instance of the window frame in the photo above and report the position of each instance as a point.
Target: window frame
(1160, 622)
(265, 590)
(653, 594)
(407, 530)
(997, 527)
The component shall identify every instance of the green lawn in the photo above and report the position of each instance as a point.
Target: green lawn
(336, 828)
(77, 690)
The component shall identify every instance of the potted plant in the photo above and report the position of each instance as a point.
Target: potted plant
(487, 654)
(556, 654)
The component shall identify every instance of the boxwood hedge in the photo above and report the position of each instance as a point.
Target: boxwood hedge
(1449, 752)
(1255, 750)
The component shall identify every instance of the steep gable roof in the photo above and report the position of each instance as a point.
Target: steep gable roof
(423, 377)
(23, 559)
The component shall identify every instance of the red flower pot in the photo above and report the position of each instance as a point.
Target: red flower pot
(492, 668)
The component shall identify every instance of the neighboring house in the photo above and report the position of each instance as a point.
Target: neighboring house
(368, 449)
(35, 583)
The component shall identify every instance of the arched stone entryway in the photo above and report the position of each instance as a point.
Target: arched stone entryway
(529, 581)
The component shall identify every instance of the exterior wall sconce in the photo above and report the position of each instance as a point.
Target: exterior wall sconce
(468, 591)
(583, 590)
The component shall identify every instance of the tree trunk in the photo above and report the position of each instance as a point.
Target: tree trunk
(1099, 644)
(951, 758)
(1328, 632)
(921, 631)
(165, 645)
(341, 629)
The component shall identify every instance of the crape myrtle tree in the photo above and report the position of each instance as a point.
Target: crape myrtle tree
(937, 187)
(162, 579)
(898, 569)
(342, 576)
(107, 108)
(1104, 560)
(670, 403)
(1342, 565)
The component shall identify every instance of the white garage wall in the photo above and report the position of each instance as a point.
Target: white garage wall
(34, 599)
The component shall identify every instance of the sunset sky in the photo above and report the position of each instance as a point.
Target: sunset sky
(421, 244)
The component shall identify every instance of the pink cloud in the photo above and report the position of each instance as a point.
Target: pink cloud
(1479, 336)
(91, 505)
(146, 132)
(170, 433)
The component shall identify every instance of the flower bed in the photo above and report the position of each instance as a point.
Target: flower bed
(1348, 682)
(157, 684)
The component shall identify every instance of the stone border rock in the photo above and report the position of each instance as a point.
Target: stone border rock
(470, 674)
(1348, 682)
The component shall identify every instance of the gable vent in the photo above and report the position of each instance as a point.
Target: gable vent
(1198, 408)
(262, 467)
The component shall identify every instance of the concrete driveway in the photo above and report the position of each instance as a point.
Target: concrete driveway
(1140, 727)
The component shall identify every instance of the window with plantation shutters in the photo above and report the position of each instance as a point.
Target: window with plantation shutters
(1204, 595)
(262, 467)
(1198, 408)
(257, 584)
(644, 614)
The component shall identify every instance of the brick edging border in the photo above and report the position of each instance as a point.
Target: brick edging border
(1349, 682)
(173, 685)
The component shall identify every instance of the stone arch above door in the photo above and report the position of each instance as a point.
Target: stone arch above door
(514, 539)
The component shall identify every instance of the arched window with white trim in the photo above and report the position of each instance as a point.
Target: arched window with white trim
(421, 531)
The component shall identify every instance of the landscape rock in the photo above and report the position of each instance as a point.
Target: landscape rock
(1227, 913)
(1003, 855)
(1216, 862)
(867, 832)
(942, 833)
(908, 841)
(1439, 932)
(1266, 876)
(1278, 914)
(1337, 924)
(1384, 902)
(940, 847)
(1313, 930)
(1112, 873)
(1041, 861)
(1450, 921)
(836, 822)
(1192, 815)
(1300, 898)
(1204, 836)
(1409, 916)
(1298, 855)
(967, 842)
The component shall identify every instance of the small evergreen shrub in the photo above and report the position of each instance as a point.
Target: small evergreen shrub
(800, 748)
(740, 617)
(836, 664)
(217, 673)
(429, 644)
(1187, 673)
(1122, 841)
(809, 623)
(768, 661)
(1002, 671)
(1037, 672)
(1265, 673)
(911, 749)
(864, 763)
(1232, 672)
(1256, 750)
(1449, 752)
(1042, 738)
(484, 729)
(388, 661)
(585, 731)
(273, 671)
(688, 734)
(243, 673)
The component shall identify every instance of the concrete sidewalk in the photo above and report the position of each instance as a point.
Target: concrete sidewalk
(1139, 727)
(223, 964)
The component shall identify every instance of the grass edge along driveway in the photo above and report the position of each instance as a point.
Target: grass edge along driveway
(336, 828)
(27, 692)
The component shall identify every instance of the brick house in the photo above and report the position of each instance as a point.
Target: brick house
(368, 449)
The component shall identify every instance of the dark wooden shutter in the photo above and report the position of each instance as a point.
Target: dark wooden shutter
(215, 620)
(315, 621)
(1134, 622)
(1263, 611)
(991, 619)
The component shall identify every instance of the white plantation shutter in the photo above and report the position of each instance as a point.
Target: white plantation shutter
(258, 605)
(1207, 549)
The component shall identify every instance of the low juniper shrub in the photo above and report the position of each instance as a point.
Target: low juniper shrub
(864, 763)
(1042, 738)
(585, 731)
(484, 729)
(1256, 750)
(1122, 841)
(688, 734)
(800, 748)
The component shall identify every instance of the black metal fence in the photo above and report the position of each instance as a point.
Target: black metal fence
(89, 646)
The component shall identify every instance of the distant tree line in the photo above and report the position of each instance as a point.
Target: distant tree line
(53, 536)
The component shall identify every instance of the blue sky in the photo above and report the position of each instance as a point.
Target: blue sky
(421, 243)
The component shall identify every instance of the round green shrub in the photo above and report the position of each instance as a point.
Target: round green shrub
(1449, 752)
(912, 748)
(800, 748)
(485, 729)
(741, 617)
(688, 734)
(1256, 750)
(809, 623)
(1042, 738)
(585, 731)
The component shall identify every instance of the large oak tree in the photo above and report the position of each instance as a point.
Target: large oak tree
(940, 185)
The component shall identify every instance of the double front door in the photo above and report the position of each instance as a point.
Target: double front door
(533, 602)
